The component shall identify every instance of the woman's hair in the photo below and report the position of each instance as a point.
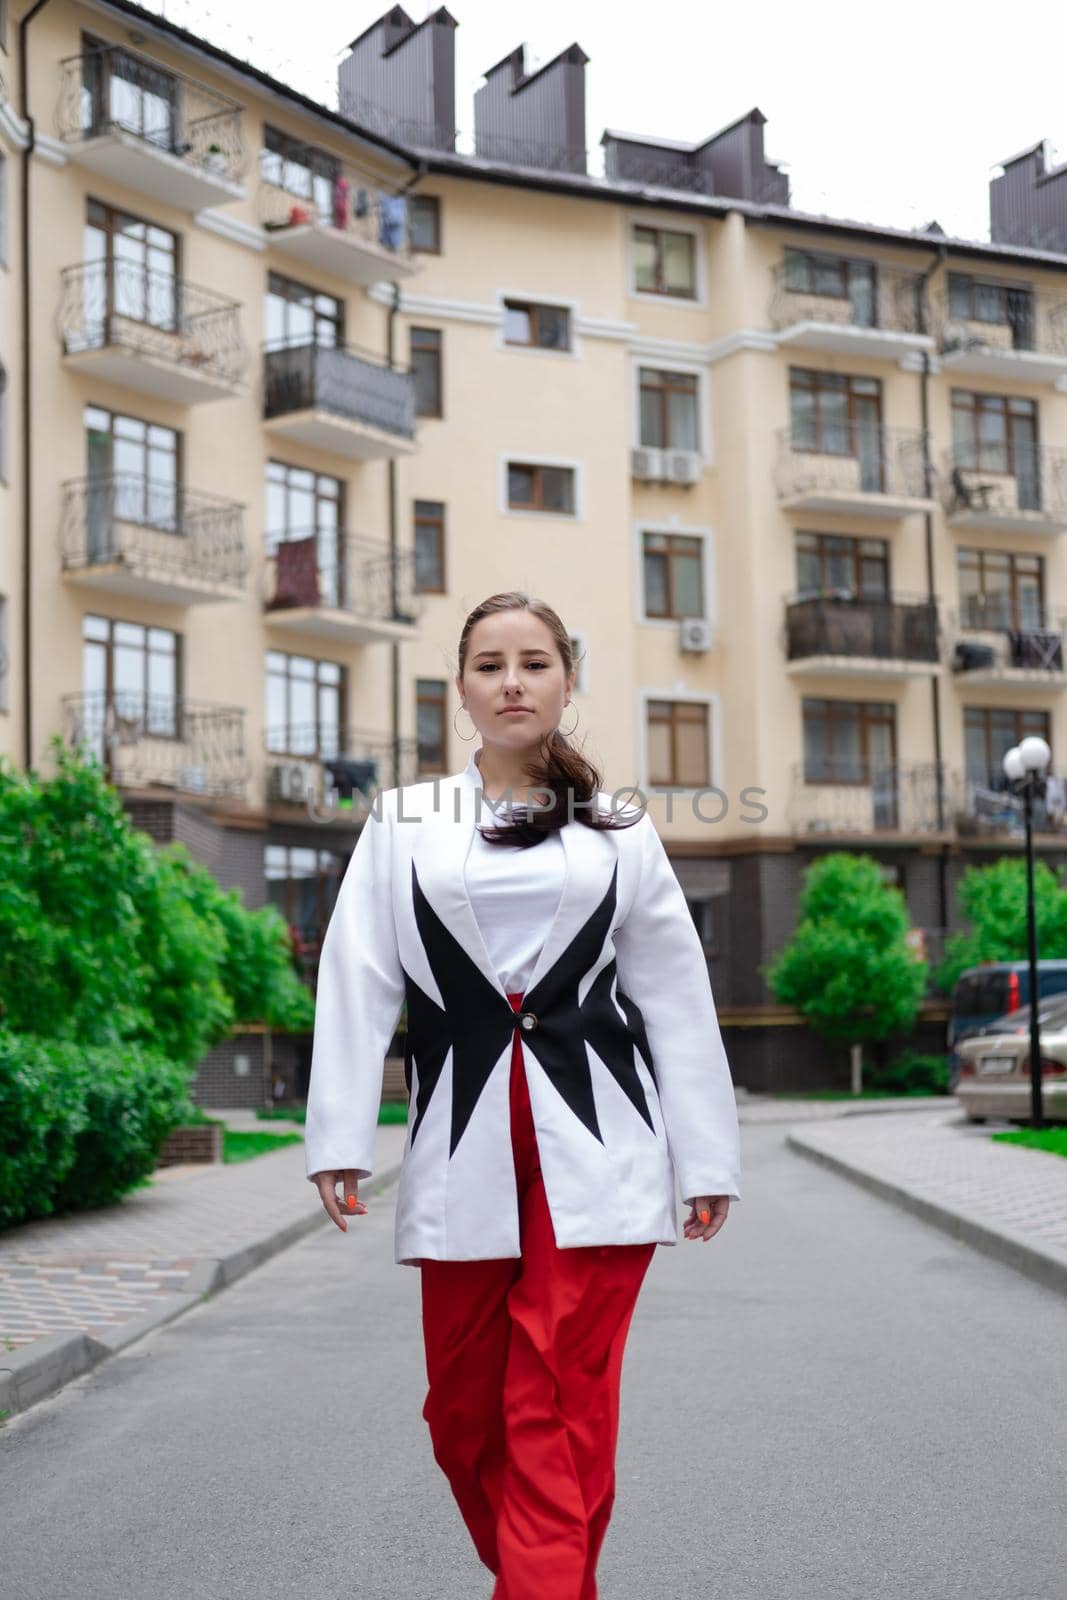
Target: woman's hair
(558, 767)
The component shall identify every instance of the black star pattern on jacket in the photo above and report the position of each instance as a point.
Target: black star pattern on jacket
(476, 1022)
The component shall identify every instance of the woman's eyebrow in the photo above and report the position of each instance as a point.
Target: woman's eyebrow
(532, 650)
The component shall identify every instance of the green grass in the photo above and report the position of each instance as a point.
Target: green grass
(391, 1111)
(845, 1094)
(240, 1146)
(1054, 1140)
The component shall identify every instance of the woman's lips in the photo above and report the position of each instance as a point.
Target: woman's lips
(515, 711)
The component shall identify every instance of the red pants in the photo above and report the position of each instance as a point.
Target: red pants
(524, 1359)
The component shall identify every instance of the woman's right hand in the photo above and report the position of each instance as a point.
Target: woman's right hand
(327, 1182)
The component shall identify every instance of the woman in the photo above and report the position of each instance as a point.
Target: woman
(564, 1063)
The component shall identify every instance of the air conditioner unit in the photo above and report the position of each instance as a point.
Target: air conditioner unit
(646, 464)
(192, 779)
(695, 634)
(292, 781)
(682, 466)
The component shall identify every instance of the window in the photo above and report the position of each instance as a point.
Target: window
(537, 488)
(538, 326)
(5, 671)
(580, 663)
(669, 419)
(665, 262)
(998, 433)
(989, 732)
(833, 414)
(424, 212)
(673, 575)
(134, 473)
(301, 170)
(848, 741)
(842, 565)
(426, 365)
(429, 547)
(834, 278)
(704, 912)
(136, 669)
(305, 705)
(131, 93)
(1010, 305)
(678, 743)
(431, 724)
(1001, 589)
(303, 883)
(306, 505)
(131, 270)
(297, 314)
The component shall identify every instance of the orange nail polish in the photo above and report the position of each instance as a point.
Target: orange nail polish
(351, 1202)
(705, 1217)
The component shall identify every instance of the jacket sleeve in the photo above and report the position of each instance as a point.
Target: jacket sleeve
(662, 967)
(358, 1001)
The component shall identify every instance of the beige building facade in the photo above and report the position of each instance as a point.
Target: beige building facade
(306, 386)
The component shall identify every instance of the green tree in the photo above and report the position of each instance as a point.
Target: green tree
(993, 899)
(848, 968)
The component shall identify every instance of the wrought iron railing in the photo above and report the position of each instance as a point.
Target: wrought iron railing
(1020, 320)
(152, 527)
(985, 635)
(193, 746)
(891, 301)
(343, 572)
(108, 88)
(988, 808)
(1000, 481)
(846, 624)
(152, 314)
(862, 797)
(337, 760)
(847, 458)
(341, 380)
(304, 184)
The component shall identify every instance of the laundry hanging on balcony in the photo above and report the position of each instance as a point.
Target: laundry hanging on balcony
(296, 573)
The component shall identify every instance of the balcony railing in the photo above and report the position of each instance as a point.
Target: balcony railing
(344, 382)
(848, 464)
(152, 316)
(108, 90)
(892, 305)
(985, 641)
(1025, 334)
(854, 625)
(191, 746)
(988, 809)
(866, 797)
(333, 571)
(324, 768)
(1024, 488)
(328, 213)
(155, 531)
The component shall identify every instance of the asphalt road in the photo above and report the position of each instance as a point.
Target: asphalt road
(830, 1401)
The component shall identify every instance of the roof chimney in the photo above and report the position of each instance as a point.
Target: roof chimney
(533, 119)
(399, 79)
(1028, 203)
(731, 162)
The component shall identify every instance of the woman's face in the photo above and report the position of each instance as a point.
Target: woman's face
(512, 661)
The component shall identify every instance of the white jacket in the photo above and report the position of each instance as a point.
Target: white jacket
(624, 1058)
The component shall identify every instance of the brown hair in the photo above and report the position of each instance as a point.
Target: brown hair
(559, 766)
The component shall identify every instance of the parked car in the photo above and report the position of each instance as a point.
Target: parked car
(994, 1065)
(983, 994)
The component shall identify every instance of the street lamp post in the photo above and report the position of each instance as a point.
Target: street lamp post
(1025, 765)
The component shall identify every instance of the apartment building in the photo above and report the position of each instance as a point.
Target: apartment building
(304, 386)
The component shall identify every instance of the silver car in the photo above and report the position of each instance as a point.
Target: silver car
(994, 1065)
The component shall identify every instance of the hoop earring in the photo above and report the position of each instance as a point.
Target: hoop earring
(466, 737)
(574, 724)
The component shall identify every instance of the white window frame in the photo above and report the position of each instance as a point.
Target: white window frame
(689, 369)
(527, 458)
(707, 569)
(710, 698)
(573, 352)
(666, 224)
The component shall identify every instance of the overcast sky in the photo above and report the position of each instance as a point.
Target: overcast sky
(896, 113)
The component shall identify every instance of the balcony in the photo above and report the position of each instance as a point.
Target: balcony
(339, 399)
(887, 323)
(1025, 338)
(332, 218)
(1030, 498)
(340, 586)
(865, 473)
(986, 809)
(127, 535)
(148, 128)
(146, 330)
(986, 648)
(161, 741)
(851, 635)
(330, 777)
(871, 798)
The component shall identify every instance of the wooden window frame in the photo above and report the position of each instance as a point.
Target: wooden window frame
(280, 285)
(438, 523)
(320, 498)
(433, 692)
(823, 554)
(342, 705)
(974, 403)
(820, 385)
(106, 220)
(663, 382)
(966, 284)
(680, 711)
(659, 234)
(670, 555)
(533, 309)
(108, 645)
(435, 346)
(982, 716)
(537, 505)
(983, 562)
(867, 713)
(437, 248)
(811, 258)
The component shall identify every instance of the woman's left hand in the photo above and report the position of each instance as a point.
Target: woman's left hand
(707, 1216)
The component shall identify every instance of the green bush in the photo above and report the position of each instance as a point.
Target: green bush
(908, 1073)
(40, 1120)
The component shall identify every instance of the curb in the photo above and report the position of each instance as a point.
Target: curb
(1004, 1245)
(47, 1365)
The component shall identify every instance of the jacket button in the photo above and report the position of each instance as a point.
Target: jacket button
(528, 1021)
